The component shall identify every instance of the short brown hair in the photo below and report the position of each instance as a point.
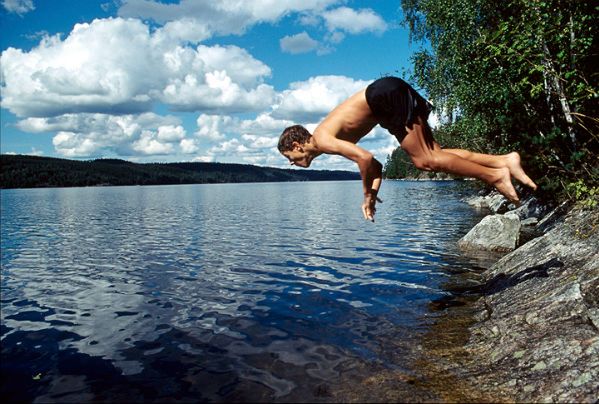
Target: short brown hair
(295, 133)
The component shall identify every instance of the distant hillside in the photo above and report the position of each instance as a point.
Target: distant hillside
(20, 171)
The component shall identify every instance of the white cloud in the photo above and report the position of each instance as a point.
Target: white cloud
(354, 21)
(98, 68)
(118, 66)
(189, 146)
(181, 31)
(238, 64)
(229, 147)
(33, 152)
(204, 159)
(170, 133)
(250, 141)
(18, 6)
(71, 144)
(194, 21)
(264, 124)
(216, 78)
(212, 127)
(311, 100)
(309, 20)
(221, 17)
(85, 135)
(335, 37)
(299, 43)
(259, 142)
(149, 144)
(219, 127)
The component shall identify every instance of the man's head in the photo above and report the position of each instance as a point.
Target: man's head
(295, 143)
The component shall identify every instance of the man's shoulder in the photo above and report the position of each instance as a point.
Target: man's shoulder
(324, 138)
(320, 133)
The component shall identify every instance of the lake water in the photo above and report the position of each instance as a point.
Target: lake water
(242, 292)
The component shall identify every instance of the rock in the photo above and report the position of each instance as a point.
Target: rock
(498, 204)
(584, 378)
(519, 354)
(531, 207)
(493, 233)
(531, 221)
(495, 202)
(544, 297)
(476, 201)
(552, 218)
(593, 315)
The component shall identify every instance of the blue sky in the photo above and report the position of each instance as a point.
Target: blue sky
(184, 80)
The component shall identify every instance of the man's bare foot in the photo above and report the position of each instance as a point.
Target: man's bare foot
(513, 164)
(504, 185)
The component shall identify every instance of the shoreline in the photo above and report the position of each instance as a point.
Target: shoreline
(536, 331)
(528, 332)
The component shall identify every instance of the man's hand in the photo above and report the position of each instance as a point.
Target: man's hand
(369, 206)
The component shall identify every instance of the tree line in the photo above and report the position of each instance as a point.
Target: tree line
(20, 171)
(513, 75)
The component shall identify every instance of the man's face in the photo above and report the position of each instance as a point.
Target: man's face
(298, 157)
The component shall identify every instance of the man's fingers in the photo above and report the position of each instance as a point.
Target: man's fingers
(379, 199)
(368, 213)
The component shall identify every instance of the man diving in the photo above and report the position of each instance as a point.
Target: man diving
(397, 107)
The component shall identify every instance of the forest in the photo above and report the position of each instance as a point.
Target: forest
(512, 75)
(20, 171)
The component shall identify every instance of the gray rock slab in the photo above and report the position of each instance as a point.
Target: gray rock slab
(493, 233)
(541, 305)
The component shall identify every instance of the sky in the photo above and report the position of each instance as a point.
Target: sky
(189, 80)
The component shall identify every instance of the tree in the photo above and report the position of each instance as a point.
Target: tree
(515, 74)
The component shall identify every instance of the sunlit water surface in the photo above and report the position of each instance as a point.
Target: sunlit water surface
(271, 292)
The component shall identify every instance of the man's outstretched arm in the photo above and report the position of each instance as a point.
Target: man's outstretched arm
(370, 169)
(372, 172)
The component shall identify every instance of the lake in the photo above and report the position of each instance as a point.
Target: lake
(228, 292)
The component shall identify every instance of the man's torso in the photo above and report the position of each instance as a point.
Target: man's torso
(349, 121)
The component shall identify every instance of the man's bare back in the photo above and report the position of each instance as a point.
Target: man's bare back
(351, 120)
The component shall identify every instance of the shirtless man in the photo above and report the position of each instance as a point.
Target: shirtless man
(397, 107)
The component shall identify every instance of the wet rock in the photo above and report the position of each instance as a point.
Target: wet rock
(530, 208)
(544, 297)
(493, 233)
(531, 221)
(495, 202)
(552, 218)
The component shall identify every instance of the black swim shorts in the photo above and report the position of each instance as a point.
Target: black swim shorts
(396, 105)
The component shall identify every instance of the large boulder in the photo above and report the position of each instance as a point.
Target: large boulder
(493, 233)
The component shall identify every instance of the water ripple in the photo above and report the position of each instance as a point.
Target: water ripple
(221, 292)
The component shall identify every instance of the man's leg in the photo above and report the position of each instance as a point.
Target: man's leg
(510, 160)
(437, 159)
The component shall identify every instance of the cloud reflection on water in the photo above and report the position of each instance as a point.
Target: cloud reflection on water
(283, 285)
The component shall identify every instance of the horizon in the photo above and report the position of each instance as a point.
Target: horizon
(186, 81)
(92, 159)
